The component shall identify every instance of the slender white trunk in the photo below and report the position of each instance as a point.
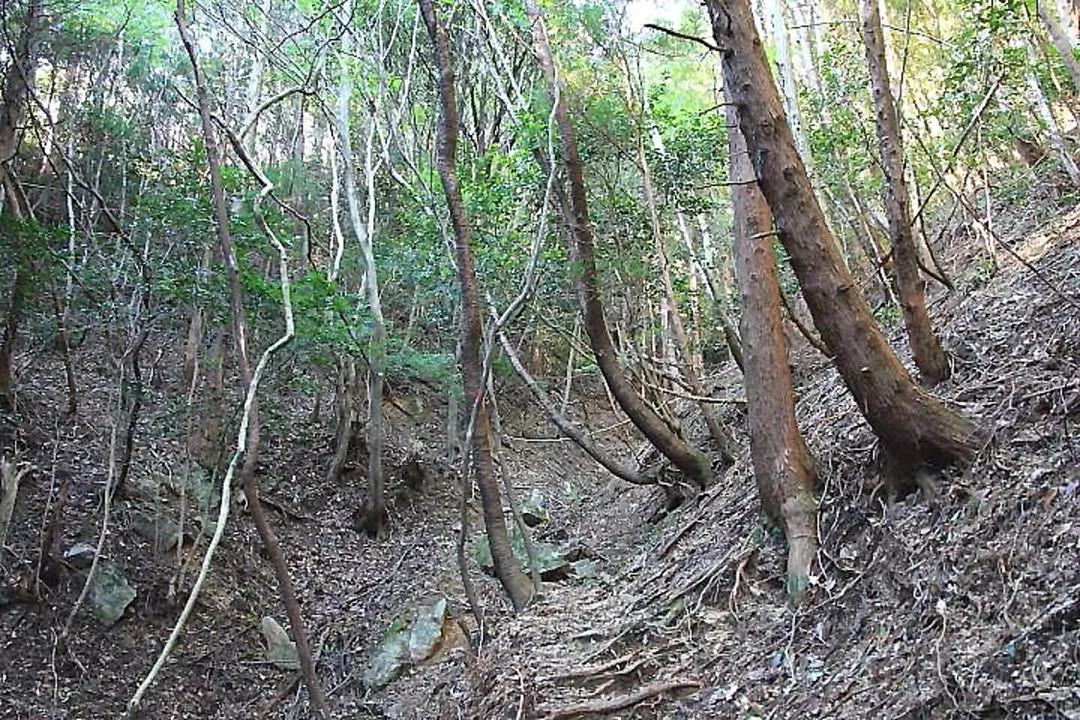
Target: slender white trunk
(364, 229)
(1057, 142)
(788, 86)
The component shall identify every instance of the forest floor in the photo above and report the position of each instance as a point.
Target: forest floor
(968, 606)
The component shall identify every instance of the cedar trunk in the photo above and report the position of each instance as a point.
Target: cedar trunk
(925, 348)
(688, 459)
(783, 468)
(514, 581)
(913, 427)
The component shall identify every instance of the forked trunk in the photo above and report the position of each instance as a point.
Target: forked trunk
(691, 461)
(925, 347)
(912, 426)
(239, 324)
(514, 581)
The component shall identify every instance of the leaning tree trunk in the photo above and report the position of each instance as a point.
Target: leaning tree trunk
(14, 206)
(925, 347)
(1053, 131)
(913, 427)
(783, 469)
(514, 581)
(1060, 40)
(691, 461)
(239, 322)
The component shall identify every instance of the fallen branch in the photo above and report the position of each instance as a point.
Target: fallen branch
(619, 703)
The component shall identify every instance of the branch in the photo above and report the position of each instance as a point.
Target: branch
(619, 703)
(684, 36)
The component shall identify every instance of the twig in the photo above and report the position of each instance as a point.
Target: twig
(619, 703)
(806, 332)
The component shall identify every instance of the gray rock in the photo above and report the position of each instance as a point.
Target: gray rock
(80, 555)
(533, 510)
(280, 650)
(110, 593)
(554, 562)
(416, 636)
(162, 531)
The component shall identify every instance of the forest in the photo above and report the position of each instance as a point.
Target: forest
(540, 359)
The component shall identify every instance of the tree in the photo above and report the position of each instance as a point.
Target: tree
(925, 347)
(375, 507)
(783, 468)
(514, 581)
(914, 428)
(1060, 39)
(688, 459)
(240, 341)
(15, 211)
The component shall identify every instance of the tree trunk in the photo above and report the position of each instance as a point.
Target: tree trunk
(1053, 131)
(912, 426)
(925, 347)
(1060, 40)
(719, 298)
(514, 581)
(236, 301)
(789, 88)
(344, 400)
(691, 461)
(783, 469)
(13, 203)
(375, 506)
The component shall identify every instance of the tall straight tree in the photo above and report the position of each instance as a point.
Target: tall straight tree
(783, 469)
(364, 229)
(913, 427)
(514, 581)
(925, 347)
(691, 461)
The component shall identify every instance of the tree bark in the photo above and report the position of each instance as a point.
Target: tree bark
(689, 460)
(925, 347)
(514, 581)
(783, 469)
(236, 302)
(14, 208)
(912, 426)
(1060, 40)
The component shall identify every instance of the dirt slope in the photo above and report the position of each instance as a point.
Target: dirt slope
(969, 607)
